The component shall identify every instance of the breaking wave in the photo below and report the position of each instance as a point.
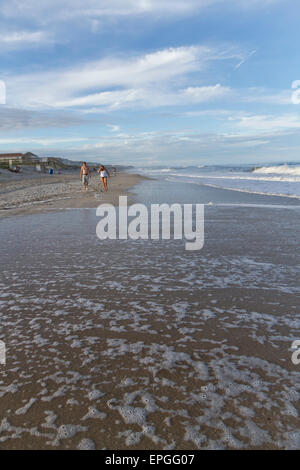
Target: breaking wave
(279, 170)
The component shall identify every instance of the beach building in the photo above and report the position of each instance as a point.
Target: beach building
(19, 158)
(41, 164)
(30, 157)
(7, 157)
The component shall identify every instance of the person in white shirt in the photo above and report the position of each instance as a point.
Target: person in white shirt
(104, 174)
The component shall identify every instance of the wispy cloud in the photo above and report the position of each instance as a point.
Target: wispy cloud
(150, 79)
(267, 96)
(245, 59)
(65, 10)
(41, 141)
(245, 121)
(147, 98)
(113, 127)
(154, 147)
(21, 40)
(205, 93)
(268, 122)
(31, 37)
(12, 119)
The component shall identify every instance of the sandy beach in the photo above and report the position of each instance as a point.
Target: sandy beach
(31, 192)
(132, 344)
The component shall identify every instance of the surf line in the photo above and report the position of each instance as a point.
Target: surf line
(187, 222)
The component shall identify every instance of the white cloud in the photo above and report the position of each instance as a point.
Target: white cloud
(215, 113)
(12, 119)
(205, 93)
(160, 78)
(41, 141)
(268, 122)
(113, 127)
(66, 10)
(266, 96)
(147, 97)
(56, 16)
(151, 147)
(244, 59)
(21, 37)
(245, 121)
(155, 146)
(149, 80)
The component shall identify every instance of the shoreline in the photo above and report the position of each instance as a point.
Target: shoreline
(60, 192)
(36, 194)
(247, 191)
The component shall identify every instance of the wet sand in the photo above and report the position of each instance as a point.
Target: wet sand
(32, 193)
(142, 345)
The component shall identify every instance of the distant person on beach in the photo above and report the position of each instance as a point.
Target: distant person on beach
(104, 174)
(85, 175)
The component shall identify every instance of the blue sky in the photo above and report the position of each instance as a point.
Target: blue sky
(148, 82)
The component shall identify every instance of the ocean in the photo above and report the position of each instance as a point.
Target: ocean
(272, 180)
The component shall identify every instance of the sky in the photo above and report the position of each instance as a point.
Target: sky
(151, 82)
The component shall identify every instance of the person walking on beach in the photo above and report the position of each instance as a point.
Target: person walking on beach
(104, 174)
(85, 175)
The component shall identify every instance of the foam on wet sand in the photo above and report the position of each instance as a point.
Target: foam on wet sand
(139, 344)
